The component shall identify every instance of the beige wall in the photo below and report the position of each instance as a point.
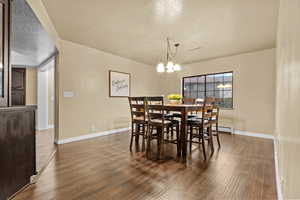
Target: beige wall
(31, 86)
(253, 88)
(84, 71)
(288, 97)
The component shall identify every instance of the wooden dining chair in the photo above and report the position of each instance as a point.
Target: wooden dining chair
(188, 100)
(156, 120)
(203, 126)
(215, 123)
(138, 120)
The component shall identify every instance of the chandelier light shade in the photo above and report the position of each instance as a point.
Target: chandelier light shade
(170, 65)
(170, 70)
(177, 67)
(160, 67)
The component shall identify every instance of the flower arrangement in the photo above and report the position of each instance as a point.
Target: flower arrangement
(174, 97)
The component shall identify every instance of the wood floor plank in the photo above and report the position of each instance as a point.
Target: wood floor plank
(44, 147)
(103, 168)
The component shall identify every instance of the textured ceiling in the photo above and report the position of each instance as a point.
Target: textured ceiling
(31, 44)
(137, 29)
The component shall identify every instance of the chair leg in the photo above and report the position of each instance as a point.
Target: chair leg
(191, 137)
(149, 138)
(168, 132)
(131, 139)
(203, 142)
(177, 139)
(218, 138)
(144, 135)
(199, 136)
(159, 138)
(211, 138)
(137, 136)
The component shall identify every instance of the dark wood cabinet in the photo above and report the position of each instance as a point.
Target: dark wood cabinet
(17, 148)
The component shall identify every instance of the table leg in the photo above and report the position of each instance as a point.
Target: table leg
(183, 135)
(179, 146)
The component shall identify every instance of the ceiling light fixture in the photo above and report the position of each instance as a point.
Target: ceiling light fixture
(160, 67)
(171, 54)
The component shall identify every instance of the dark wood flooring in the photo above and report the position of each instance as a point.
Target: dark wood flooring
(103, 168)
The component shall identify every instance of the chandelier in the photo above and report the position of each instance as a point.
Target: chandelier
(170, 65)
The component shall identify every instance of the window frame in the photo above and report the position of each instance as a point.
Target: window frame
(205, 90)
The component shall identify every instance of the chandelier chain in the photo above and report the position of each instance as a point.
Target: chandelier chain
(170, 66)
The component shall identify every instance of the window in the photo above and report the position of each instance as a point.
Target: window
(217, 85)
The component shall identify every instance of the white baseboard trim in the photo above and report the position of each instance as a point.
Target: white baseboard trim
(93, 135)
(41, 129)
(278, 177)
(252, 134)
(226, 129)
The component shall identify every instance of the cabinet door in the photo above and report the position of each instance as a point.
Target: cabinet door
(18, 86)
(4, 51)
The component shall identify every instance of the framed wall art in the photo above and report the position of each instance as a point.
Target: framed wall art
(119, 84)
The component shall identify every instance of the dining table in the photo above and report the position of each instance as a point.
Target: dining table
(184, 109)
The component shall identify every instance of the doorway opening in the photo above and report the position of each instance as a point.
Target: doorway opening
(45, 121)
(33, 69)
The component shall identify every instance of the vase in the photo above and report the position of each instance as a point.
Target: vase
(172, 101)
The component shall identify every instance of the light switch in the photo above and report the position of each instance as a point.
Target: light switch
(68, 94)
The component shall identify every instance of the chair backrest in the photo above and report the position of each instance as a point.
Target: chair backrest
(189, 100)
(155, 108)
(215, 113)
(209, 100)
(207, 108)
(137, 108)
(199, 101)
